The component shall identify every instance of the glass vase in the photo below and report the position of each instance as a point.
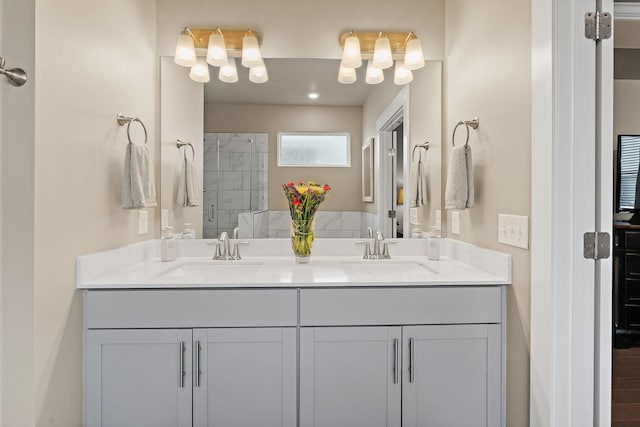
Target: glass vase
(301, 239)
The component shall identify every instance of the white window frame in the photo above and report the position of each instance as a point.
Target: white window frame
(348, 165)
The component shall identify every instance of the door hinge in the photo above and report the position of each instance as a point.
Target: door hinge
(597, 25)
(392, 214)
(597, 245)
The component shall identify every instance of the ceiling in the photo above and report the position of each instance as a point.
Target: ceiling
(290, 81)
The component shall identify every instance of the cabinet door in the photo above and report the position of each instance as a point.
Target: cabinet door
(138, 378)
(350, 376)
(247, 377)
(451, 376)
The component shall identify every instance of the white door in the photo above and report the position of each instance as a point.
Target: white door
(571, 195)
(247, 377)
(138, 378)
(350, 376)
(451, 376)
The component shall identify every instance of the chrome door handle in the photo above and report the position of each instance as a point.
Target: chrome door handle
(211, 214)
(197, 363)
(182, 372)
(411, 360)
(396, 363)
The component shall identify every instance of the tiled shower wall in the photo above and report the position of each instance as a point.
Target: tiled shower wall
(235, 179)
(344, 224)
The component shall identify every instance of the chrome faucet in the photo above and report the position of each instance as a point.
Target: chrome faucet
(380, 246)
(235, 253)
(222, 247)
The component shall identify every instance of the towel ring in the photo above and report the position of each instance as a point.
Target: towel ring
(122, 119)
(413, 152)
(453, 137)
(181, 144)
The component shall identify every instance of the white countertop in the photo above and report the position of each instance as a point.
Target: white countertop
(334, 263)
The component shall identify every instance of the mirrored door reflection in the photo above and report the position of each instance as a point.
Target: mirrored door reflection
(235, 179)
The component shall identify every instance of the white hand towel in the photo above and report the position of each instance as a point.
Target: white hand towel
(418, 185)
(459, 190)
(138, 186)
(187, 190)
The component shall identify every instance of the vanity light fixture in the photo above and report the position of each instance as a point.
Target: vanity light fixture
(200, 72)
(229, 73)
(374, 75)
(221, 47)
(413, 56)
(351, 57)
(347, 75)
(185, 51)
(380, 49)
(258, 74)
(216, 49)
(402, 76)
(382, 58)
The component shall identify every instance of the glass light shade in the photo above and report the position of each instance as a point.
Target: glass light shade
(374, 75)
(413, 56)
(251, 56)
(382, 58)
(228, 73)
(347, 75)
(401, 75)
(351, 57)
(185, 51)
(258, 74)
(217, 50)
(200, 72)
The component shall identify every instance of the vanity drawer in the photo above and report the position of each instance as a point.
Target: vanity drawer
(204, 308)
(632, 265)
(632, 240)
(400, 306)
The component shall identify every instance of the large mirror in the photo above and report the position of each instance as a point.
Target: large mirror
(234, 129)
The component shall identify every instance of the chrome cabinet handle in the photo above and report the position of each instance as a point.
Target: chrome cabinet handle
(211, 214)
(411, 360)
(396, 354)
(197, 362)
(182, 372)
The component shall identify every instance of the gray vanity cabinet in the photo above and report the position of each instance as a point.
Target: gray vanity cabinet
(350, 376)
(451, 375)
(247, 377)
(134, 378)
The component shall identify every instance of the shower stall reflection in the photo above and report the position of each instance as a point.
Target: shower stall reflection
(235, 179)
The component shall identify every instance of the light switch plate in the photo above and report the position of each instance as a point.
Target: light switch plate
(455, 222)
(513, 230)
(143, 222)
(164, 218)
(439, 219)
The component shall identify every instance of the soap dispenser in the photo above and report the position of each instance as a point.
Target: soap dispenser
(168, 246)
(188, 232)
(433, 245)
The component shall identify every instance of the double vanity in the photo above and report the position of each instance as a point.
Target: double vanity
(263, 341)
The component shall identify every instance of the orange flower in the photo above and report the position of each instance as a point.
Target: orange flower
(326, 187)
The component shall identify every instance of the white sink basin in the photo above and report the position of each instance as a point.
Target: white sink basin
(387, 270)
(213, 271)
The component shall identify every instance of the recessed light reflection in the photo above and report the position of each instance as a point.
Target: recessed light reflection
(313, 95)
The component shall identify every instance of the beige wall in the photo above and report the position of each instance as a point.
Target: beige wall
(346, 184)
(488, 75)
(94, 60)
(17, 25)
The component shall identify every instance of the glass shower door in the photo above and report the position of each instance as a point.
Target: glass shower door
(235, 179)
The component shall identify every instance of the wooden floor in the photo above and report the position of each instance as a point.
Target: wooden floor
(625, 405)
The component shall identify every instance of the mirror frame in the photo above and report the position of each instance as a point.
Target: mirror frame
(367, 169)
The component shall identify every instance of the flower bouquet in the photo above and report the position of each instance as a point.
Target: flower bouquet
(304, 200)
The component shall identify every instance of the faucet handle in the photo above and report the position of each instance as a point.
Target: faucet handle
(385, 248)
(367, 248)
(236, 231)
(236, 249)
(370, 232)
